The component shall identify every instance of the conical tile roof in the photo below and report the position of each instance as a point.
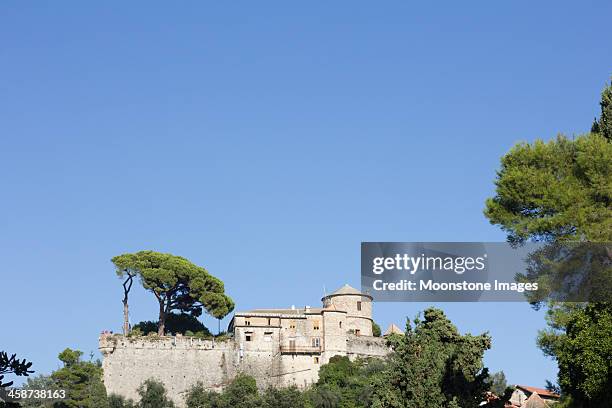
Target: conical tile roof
(393, 329)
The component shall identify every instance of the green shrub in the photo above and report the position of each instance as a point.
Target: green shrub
(199, 397)
(118, 401)
(135, 332)
(240, 393)
(175, 323)
(289, 397)
(153, 395)
(203, 335)
(223, 336)
(375, 329)
(145, 327)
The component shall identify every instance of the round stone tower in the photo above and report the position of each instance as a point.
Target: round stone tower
(358, 308)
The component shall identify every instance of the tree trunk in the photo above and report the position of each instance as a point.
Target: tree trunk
(161, 326)
(127, 285)
(126, 318)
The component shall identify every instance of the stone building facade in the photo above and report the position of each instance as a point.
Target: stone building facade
(279, 347)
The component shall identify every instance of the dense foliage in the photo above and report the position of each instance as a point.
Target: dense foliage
(434, 365)
(345, 383)
(153, 395)
(39, 382)
(175, 323)
(603, 125)
(376, 332)
(556, 192)
(240, 393)
(498, 383)
(177, 284)
(580, 339)
(82, 381)
(117, 401)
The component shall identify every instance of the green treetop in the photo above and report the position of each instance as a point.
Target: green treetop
(555, 191)
(177, 284)
(561, 191)
(82, 381)
(603, 126)
(433, 365)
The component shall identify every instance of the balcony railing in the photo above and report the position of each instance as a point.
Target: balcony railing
(300, 349)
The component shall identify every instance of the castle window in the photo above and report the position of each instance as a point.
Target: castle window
(248, 336)
(292, 324)
(316, 342)
(269, 321)
(315, 325)
(340, 324)
(316, 360)
(268, 336)
(247, 322)
(359, 306)
(357, 332)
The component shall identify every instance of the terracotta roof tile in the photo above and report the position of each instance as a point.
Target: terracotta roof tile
(540, 391)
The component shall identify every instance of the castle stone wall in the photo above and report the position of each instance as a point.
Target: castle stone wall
(366, 346)
(177, 362)
(181, 362)
(278, 347)
(357, 319)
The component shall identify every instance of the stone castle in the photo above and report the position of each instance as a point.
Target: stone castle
(278, 347)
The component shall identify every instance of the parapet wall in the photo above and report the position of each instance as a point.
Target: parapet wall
(366, 346)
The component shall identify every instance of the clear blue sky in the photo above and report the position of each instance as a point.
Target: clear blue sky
(265, 141)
